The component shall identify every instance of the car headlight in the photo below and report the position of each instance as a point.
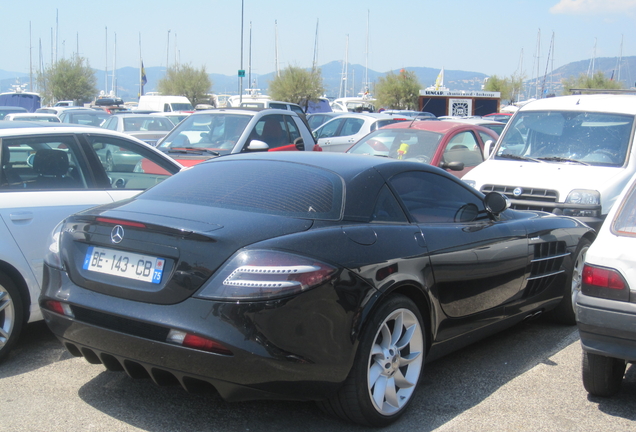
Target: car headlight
(52, 256)
(583, 197)
(265, 274)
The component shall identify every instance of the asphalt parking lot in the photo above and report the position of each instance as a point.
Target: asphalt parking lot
(527, 378)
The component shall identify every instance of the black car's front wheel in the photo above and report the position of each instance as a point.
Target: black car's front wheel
(387, 368)
(565, 312)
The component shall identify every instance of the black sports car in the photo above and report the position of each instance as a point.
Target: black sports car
(291, 275)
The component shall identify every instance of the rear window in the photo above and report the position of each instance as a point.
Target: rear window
(271, 187)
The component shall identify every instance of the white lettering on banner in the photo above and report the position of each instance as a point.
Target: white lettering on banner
(461, 93)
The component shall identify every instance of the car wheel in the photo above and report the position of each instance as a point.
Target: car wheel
(602, 376)
(11, 315)
(565, 312)
(387, 367)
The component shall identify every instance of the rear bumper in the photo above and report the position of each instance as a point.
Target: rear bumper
(607, 327)
(286, 350)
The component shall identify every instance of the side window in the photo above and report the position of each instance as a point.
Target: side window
(111, 123)
(387, 208)
(278, 106)
(351, 127)
(271, 130)
(166, 108)
(463, 147)
(42, 163)
(329, 129)
(127, 164)
(292, 129)
(297, 109)
(432, 198)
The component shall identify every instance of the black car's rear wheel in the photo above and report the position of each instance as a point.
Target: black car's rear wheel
(11, 315)
(387, 368)
(602, 376)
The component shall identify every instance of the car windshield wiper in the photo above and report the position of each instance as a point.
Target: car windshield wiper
(517, 157)
(561, 159)
(192, 150)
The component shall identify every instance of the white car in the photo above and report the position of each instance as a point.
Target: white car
(340, 133)
(606, 305)
(569, 155)
(43, 117)
(47, 173)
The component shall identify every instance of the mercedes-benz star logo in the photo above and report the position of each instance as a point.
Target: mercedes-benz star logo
(117, 234)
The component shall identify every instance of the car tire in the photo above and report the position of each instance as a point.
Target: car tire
(565, 312)
(11, 315)
(602, 376)
(391, 353)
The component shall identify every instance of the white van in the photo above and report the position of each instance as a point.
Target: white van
(164, 103)
(569, 155)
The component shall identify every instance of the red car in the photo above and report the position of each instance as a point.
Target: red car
(455, 147)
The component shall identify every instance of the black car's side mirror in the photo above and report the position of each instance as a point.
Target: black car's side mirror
(496, 203)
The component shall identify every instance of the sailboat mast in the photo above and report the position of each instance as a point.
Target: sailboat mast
(315, 63)
(366, 61)
(114, 84)
(276, 43)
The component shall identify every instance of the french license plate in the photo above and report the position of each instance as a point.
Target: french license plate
(125, 264)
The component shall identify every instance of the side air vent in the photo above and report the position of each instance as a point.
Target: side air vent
(547, 265)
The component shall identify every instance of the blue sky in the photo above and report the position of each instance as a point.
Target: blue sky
(487, 36)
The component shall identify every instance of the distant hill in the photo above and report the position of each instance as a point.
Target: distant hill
(127, 78)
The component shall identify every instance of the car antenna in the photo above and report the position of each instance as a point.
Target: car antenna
(415, 117)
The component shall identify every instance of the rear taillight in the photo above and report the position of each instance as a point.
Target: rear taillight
(59, 308)
(193, 341)
(604, 282)
(260, 274)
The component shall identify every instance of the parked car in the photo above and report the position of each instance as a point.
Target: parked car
(40, 117)
(317, 119)
(606, 304)
(495, 126)
(570, 155)
(4, 110)
(455, 147)
(83, 117)
(500, 117)
(47, 173)
(302, 276)
(207, 134)
(340, 133)
(145, 127)
(175, 117)
(110, 105)
(353, 104)
(420, 115)
(266, 103)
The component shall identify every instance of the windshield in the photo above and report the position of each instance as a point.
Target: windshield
(401, 144)
(212, 131)
(565, 136)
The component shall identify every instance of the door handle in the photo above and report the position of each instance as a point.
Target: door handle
(21, 216)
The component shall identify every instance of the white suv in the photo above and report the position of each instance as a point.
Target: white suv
(569, 155)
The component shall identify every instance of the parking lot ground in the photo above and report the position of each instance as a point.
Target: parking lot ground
(527, 378)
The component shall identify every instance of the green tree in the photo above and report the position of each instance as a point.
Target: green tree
(398, 91)
(297, 85)
(596, 81)
(68, 79)
(510, 88)
(185, 80)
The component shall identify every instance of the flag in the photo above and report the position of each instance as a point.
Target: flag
(144, 80)
(439, 82)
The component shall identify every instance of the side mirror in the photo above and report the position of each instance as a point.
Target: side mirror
(496, 203)
(300, 144)
(257, 145)
(453, 166)
(488, 147)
